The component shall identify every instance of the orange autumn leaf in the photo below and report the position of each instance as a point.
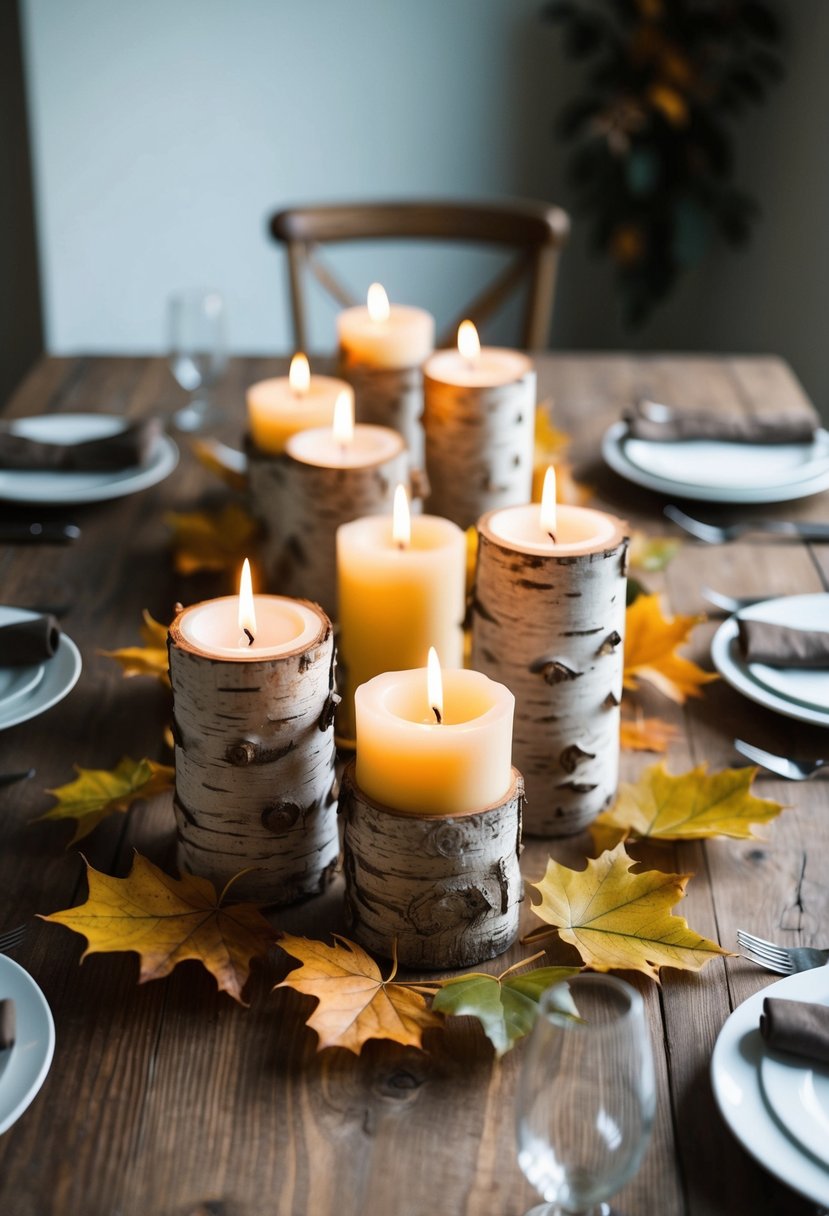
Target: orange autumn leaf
(551, 446)
(354, 1002)
(650, 651)
(696, 805)
(211, 540)
(96, 793)
(641, 734)
(168, 920)
(149, 659)
(619, 920)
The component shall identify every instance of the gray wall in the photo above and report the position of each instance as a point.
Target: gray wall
(166, 131)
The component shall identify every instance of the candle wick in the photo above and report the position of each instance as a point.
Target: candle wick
(552, 536)
(249, 636)
(437, 714)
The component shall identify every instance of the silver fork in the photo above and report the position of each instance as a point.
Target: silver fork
(714, 534)
(12, 938)
(784, 766)
(784, 960)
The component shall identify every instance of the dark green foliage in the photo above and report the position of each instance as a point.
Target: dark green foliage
(651, 135)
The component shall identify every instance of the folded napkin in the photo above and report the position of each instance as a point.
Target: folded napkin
(26, 642)
(134, 445)
(797, 1027)
(782, 645)
(7, 1023)
(651, 420)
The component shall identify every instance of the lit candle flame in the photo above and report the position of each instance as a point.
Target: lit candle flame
(247, 613)
(548, 504)
(343, 423)
(299, 375)
(469, 344)
(434, 685)
(378, 303)
(401, 523)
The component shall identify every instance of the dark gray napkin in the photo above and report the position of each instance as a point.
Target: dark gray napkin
(7, 1023)
(131, 447)
(24, 643)
(782, 645)
(797, 1027)
(663, 423)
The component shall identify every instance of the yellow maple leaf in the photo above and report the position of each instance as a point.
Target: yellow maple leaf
(148, 660)
(641, 734)
(97, 792)
(168, 920)
(551, 447)
(650, 651)
(211, 540)
(690, 806)
(617, 919)
(471, 556)
(550, 442)
(355, 1003)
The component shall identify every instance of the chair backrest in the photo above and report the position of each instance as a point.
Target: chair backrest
(534, 231)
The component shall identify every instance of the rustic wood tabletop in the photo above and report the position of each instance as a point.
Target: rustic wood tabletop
(171, 1099)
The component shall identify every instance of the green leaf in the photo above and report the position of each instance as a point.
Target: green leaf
(506, 1006)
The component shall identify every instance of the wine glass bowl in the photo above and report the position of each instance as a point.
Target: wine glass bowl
(586, 1095)
(197, 344)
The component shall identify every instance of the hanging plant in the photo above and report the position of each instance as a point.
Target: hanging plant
(651, 135)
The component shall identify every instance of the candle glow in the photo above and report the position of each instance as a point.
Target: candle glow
(299, 375)
(434, 685)
(247, 612)
(469, 344)
(377, 303)
(401, 524)
(548, 503)
(343, 425)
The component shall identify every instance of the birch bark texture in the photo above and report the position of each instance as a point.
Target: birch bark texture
(551, 627)
(446, 889)
(479, 445)
(254, 759)
(301, 506)
(389, 396)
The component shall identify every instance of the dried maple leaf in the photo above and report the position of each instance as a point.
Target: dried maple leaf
(616, 919)
(641, 734)
(652, 552)
(691, 806)
(211, 540)
(355, 1003)
(148, 660)
(167, 921)
(551, 447)
(98, 792)
(550, 442)
(506, 1005)
(650, 651)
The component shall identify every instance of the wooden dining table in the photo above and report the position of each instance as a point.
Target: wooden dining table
(170, 1099)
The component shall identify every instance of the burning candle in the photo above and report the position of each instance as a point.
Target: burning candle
(553, 528)
(432, 742)
(383, 335)
(279, 407)
(342, 445)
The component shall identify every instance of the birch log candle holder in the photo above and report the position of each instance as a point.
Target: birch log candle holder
(254, 754)
(326, 477)
(548, 619)
(389, 396)
(432, 812)
(479, 418)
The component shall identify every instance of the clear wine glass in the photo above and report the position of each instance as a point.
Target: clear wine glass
(197, 341)
(586, 1095)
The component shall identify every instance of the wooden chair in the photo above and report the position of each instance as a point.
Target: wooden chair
(534, 231)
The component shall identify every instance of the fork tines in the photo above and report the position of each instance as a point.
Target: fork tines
(12, 938)
(758, 950)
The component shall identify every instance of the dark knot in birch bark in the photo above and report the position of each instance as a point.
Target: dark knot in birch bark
(329, 710)
(448, 839)
(572, 757)
(248, 751)
(610, 643)
(439, 910)
(282, 816)
(553, 671)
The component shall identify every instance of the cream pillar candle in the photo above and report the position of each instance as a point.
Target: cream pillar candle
(413, 759)
(548, 620)
(401, 589)
(253, 707)
(479, 419)
(279, 407)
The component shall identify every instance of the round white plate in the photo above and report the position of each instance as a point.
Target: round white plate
(17, 682)
(744, 473)
(68, 488)
(797, 694)
(60, 675)
(798, 1093)
(735, 1077)
(28, 1062)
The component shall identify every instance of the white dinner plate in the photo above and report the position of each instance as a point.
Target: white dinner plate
(798, 1093)
(708, 471)
(44, 486)
(18, 682)
(28, 1061)
(797, 694)
(60, 675)
(735, 1076)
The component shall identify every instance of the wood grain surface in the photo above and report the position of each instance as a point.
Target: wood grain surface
(170, 1100)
